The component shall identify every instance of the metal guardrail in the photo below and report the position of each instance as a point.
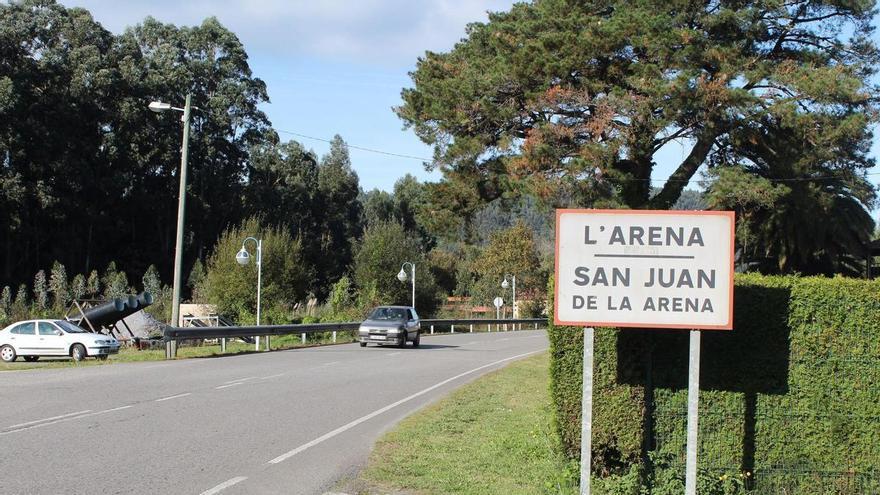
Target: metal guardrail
(175, 334)
(484, 321)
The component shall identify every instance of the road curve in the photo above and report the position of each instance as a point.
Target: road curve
(285, 422)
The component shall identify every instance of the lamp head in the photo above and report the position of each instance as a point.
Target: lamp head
(505, 284)
(401, 275)
(243, 257)
(158, 106)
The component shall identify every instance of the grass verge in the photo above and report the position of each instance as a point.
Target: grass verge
(492, 436)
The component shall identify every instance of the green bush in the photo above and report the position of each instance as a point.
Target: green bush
(383, 249)
(232, 287)
(789, 402)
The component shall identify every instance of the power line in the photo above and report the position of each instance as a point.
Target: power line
(656, 181)
(361, 148)
(789, 179)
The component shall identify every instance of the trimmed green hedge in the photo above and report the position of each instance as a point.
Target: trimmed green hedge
(789, 400)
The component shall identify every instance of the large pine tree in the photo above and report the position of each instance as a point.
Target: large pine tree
(574, 99)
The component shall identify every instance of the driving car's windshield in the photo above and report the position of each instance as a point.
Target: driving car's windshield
(388, 314)
(69, 327)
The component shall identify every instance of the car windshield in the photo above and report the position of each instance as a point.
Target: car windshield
(388, 314)
(69, 327)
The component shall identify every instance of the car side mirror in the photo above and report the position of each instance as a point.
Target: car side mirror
(58, 333)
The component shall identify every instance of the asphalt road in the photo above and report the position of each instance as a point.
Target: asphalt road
(291, 422)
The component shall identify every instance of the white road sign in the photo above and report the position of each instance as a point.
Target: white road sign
(498, 302)
(642, 268)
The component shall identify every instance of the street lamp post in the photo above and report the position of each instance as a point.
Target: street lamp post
(402, 277)
(157, 107)
(243, 258)
(505, 285)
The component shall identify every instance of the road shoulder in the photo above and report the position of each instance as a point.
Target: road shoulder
(494, 435)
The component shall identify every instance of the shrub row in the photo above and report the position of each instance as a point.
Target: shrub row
(789, 398)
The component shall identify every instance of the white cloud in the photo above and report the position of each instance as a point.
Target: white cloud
(385, 32)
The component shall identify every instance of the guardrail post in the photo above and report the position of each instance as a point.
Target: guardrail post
(432, 329)
(536, 326)
(490, 327)
(472, 328)
(453, 328)
(303, 338)
(170, 349)
(334, 336)
(222, 345)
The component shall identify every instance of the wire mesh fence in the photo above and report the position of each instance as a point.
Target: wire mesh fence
(811, 439)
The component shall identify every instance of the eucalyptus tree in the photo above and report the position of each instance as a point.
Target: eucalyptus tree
(87, 173)
(57, 81)
(166, 62)
(341, 214)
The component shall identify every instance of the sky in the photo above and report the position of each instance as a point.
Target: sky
(330, 66)
(337, 67)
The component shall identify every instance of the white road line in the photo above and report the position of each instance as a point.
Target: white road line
(393, 354)
(227, 386)
(342, 429)
(472, 343)
(108, 410)
(272, 376)
(331, 363)
(47, 419)
(64, 419)
(173, 397)
(242, 379)
(226, 484)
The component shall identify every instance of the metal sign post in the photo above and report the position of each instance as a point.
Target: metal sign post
(587, 412)
(498, 302)
(690, 487)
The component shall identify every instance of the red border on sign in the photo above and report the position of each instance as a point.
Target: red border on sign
(557, 321)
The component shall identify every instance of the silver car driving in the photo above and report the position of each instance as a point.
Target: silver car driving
(391, 325)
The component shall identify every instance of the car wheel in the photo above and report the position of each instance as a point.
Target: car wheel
(402, 342)
(31, 359)
(78, 352)
(418, 339)
(363, 344)
(7, 353)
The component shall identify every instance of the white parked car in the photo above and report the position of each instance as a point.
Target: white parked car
(34, 338)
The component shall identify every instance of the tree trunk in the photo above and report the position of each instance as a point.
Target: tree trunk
(671, 191)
